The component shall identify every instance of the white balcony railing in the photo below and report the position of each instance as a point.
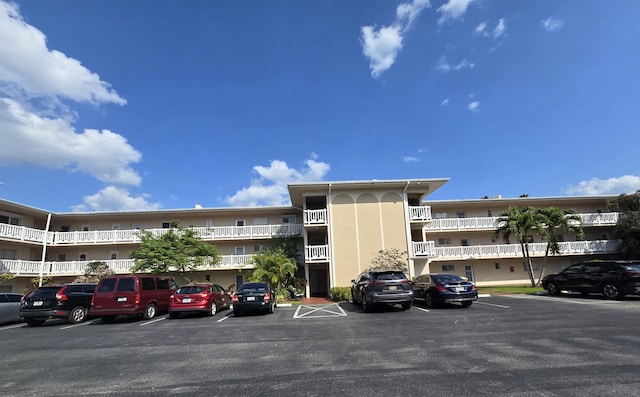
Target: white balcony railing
(315, 217)
(20, 267)
(535, 250)
(424, 248)
(489, 222)
(22, 233)
(316, 253)
(420, 213)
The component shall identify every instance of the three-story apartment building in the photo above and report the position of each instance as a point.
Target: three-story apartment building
(340, 227)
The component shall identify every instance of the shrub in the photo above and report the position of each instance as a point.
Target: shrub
(340, 294)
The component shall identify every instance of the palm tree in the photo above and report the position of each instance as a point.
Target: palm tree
(520, 223)
(554, 220)
(273, 266)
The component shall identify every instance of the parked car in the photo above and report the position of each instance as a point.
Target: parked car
(387, 286)
(10, 307)
(254, 296)
(203, 298)
(66, 301)
(614, 279)
(440, 288)
(132, 295)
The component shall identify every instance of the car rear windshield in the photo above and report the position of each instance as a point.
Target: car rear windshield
(634, 267)
(190, 290)
(253, 287)
(448, 278)
(45, 293)
(389, 276)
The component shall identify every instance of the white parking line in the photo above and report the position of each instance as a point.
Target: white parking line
(492, 304)
(325, 309)
(153, 321)
(419, 308)
(225, 317)
(12, 326)
(77, 325)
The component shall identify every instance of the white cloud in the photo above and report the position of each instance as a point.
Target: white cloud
(474, 106)
(112, 198)
(410, 159)
(445, 102)
(381, 47)
(445, 66)
(453, 10)
(53, 143)
(552, 24)
(499, 30)
(30, 69)
(271, 188)
(626, 184)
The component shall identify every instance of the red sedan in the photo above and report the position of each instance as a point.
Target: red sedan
(202, 298)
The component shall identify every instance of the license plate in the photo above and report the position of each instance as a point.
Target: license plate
(393, 287)
(460, 289)
(38, 303)
(122, 299)
(186, 300)
(251, 298)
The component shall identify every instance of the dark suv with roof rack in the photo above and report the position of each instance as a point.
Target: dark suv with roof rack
(67, 301)
(374, 287)
(614, 279)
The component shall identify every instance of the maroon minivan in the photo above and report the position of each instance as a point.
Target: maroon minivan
(141, 295)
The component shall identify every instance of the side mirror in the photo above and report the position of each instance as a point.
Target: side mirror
(353, 281)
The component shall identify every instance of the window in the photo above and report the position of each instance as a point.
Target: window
(489, 213)
(239, 250)
(442, 215)
(497, 266)
(468, 272)
(82, 257)
(258, 248)
(464, 242)
(64, 228)
(148, 284)
(107, 285)
(126, 284)
(7, 254)
(444, 241)
(136, 226)
(461, 214)
(85, 228)
(261, 221)
(289, 219)
(448, 268)
(10, 220)
(239, 278)
(529, 239)
(240, 222)
(115, 226)
(604, 236)
(493, 239)
(208, 223)
(113, 256)
(166, 225)
(62, 257)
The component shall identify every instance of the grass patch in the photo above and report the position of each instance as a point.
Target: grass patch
(510, 289)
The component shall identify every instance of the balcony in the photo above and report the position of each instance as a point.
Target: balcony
(314, 253)
(20, 267)
(424, 248)
(489, 223)
(421, 213)
(22, 233)
(514, 250)
(315, 217)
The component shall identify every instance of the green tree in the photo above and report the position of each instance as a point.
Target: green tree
(6, 277)
(390, 258)
(520, 223)
(94, 272)
(628, 233)
(178, 249)
(275, 267)
(555, 220)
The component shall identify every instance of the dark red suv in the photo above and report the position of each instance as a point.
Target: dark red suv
(68, 301)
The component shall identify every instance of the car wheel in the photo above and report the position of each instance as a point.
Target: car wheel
(236, 313)
(214, 309)
(406, 306)
(612, 291)
(366, 306)
(271, 309)
(467, 303)
(354, 301)
(108, 319)
(35, 322)
(149, 312)
(428, 300)
(553, 288)
(77, 315)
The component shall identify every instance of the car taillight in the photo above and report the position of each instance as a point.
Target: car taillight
(440, 288)
(137, 299)
(374, 283)
(235, 298)
(473, 287)
(205, 295)
(172, 298)
(267, 297)
(60, 294)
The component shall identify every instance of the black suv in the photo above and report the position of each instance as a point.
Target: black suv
(382, 286)
(68, 301)
(614, 279)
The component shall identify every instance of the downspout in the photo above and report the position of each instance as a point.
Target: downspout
(44, 249)
(407, 231)
(332, 265)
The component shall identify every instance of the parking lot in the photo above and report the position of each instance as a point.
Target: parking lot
(500, 346)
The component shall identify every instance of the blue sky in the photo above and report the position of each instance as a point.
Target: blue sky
(130, 105)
